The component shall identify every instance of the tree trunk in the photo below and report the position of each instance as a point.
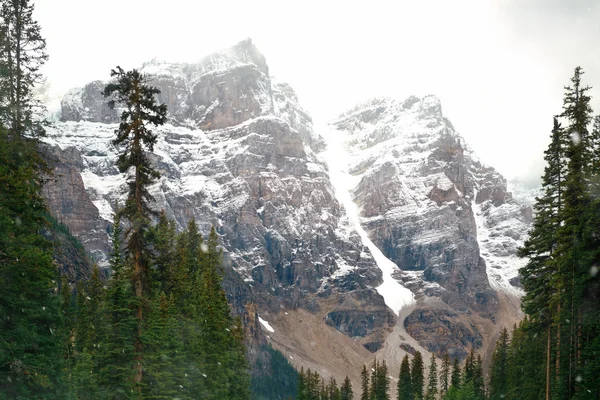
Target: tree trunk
(138, 267)
(548, 346)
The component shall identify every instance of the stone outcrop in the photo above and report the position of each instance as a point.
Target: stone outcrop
(240, 154)
(422, 190)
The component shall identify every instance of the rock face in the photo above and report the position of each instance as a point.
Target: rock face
(252, 171)
(69, 200)
(241, 154)
(422, 192)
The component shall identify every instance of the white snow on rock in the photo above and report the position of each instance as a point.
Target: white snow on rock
(337, 157)
(496, 245)
(266, 325)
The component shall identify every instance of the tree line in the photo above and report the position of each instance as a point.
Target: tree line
(555, 352)
(160, 326)
(450, 382)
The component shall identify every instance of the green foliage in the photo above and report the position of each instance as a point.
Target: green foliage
(364, 383)
(405, 390)
(346, 392)
(445, 374)
(464, 392)
(29, 305)
(23, 54)
(432, 382)
(417, 376)
(552, 350)
(380, 382)
(278, 379)
(456, 374)
(499, 368)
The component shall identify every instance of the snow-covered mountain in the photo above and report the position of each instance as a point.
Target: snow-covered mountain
(377, 234)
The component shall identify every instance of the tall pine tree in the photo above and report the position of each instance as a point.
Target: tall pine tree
(132, 91)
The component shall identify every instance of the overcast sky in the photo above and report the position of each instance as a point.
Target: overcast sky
(499, 66)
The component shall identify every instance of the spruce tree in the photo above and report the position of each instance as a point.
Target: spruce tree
(116, 350)
(445, 374)
(478, 379)
(131, 90)
(364, 380)
(346, 392)
(432, 390)
(469, 370)
(456, 374)
(30, 352)
(571, 249)
(405, 391)
(416, 374)
(22, 54)
(498, 370)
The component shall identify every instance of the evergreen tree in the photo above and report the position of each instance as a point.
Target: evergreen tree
(333, 391)
(498, 371)
(445, 374)
(572, 262)
(478, 380)
(22, 54)
(432, 389)
(364, 379)
(165, 376)
(374, 380)
(346, 392)
(469, 370)
(131, 90)
(416, 374)
(115, 350)
(30, 354)
(456, 374)
(302, 385)
(65, 336)
(163, 275)
(405, 391)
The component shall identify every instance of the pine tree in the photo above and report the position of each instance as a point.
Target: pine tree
(30, 354)
(165, 376)
(405, 391)
(364, 379)
(498, 370)
(163, 276)
(22, 54)
(115, 349)
(571, 260)
(239, 381)
(456, 374)
(416, 373)
(131, 90)
(302, 389)
(65, 336)
(346, 392)
(445, 374)
(432, 390)
(478, 380)
(469, 370)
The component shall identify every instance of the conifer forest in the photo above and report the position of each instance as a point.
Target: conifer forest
(157, 323)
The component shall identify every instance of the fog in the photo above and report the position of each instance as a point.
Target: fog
(499, 67)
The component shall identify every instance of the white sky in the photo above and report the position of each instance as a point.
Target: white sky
(497, 66)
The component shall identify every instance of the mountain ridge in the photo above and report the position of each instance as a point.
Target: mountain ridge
(240, 153)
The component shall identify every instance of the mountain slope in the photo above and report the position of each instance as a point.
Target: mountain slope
(320, 241)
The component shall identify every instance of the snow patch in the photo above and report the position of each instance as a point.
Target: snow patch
(498, 251)
(266, 325)
(337, 157)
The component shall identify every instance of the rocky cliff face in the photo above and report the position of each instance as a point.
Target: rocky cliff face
(241, 154)
(427, 202)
